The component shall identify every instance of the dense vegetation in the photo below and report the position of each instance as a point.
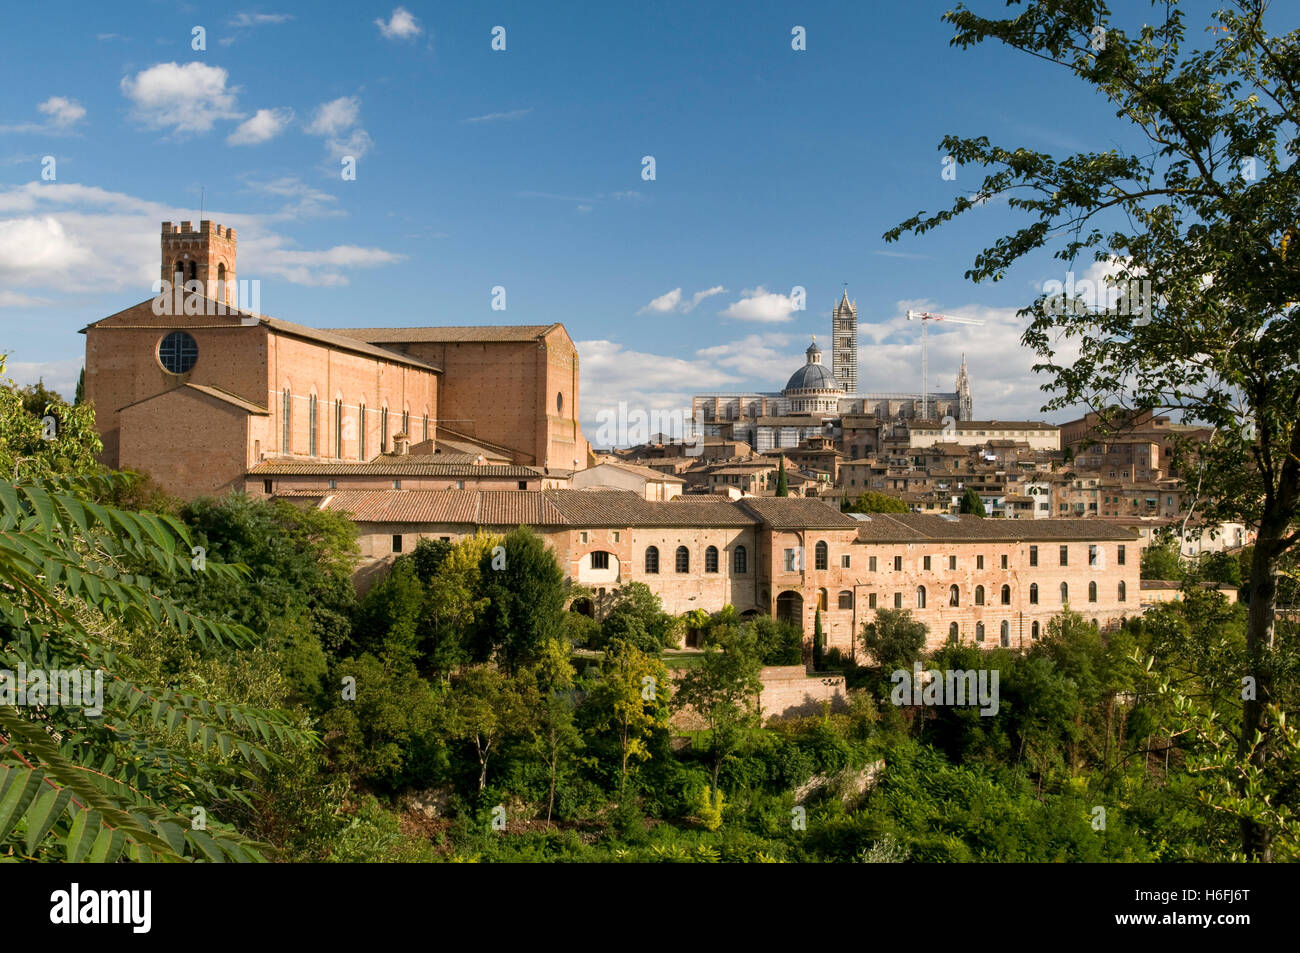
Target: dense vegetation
(254, 707)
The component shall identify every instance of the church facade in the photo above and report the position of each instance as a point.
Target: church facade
(201, 392)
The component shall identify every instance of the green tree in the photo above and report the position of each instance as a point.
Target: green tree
(971, 503)
(1209, 213)
(1160, 561)
(869, 501)
(723, 690)
(525, 589)
(782, 489)
(637, 618)
(555, 739)
(893, 639)
(41, 436)
(629, 699)
(485, 707)
(818, 639)
(80, 397)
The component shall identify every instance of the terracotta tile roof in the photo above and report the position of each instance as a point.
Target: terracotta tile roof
(793, 512)
(625, 508)
(468, 333)
(438, 467)
(656, 476)
(903, 527)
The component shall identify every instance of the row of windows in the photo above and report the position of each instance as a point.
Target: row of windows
(821, 559)
(286, 428)
(1004, 633)
(954, 595)
(682, 559)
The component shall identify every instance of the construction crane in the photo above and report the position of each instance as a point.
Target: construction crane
(924, 316)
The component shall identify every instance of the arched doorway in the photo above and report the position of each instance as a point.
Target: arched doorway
(584, 606)
(789, 608)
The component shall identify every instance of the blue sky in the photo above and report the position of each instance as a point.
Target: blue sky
(522, 168)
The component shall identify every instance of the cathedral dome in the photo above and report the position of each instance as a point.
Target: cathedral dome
(814, 375)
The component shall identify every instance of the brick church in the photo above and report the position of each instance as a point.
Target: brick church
(203, 393)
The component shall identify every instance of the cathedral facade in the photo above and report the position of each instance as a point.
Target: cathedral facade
(200, 392)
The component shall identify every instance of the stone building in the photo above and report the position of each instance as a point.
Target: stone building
(989, 583)
(199, 392)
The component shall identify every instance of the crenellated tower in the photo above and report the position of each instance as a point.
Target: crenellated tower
(206, 256)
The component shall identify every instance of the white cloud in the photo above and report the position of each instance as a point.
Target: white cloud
(265, 124)
(759, 304)
(63, 112)
(58, 376)
(664, 303)
(674, 301)
(258, 19)
(497, 117)
(188, 98)
(304, 201)
(335, 116)
(356, 144)
(402, 25)
(12, 299)
(34, 247)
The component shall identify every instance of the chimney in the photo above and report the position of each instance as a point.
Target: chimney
(401, 444)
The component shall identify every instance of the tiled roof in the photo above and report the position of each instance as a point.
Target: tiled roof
(468, 333)
(902, 527)
(985, 425)
(437, 467)
(657, 476)
(625, 508)
(795, 512)
(406, 506)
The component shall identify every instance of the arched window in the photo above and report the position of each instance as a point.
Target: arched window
(820, 555)
(954, 596)
(979, 631)
(822, 599)
(952, 632)
(221, 281)
(846, 599)
(286, 407)
(920, 597)
(683, 559)
(740, 560)
(426, 427)
(311, 425)
(338, 428)
(1092, 592)
(711, 559)
(1006, 595)
(652, 559)
(559, 403)
(406, 423)
(1123, 591)
(979, 595)
(178, 272)
(1033, 631)
(194, 271)
(1006, 634)
(361, 432)
(1065, 593)
(1033, 593)
(383, 430)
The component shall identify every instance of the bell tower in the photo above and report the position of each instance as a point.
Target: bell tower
(844, 344)
(206, 256)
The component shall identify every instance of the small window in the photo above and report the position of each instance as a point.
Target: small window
(333, 484)
(397, 484)
(559, 403)
(614, 536)
(1065, 593)
(1092, 592)
(845, 562)
(979, 631)
(740, 560)
(1033, 631)
(820, 556)
(460, 484)
(822, 599)
(920, 597)
(1119, 554)
(871, 564)
(898, 600)
(683, 559)
(711, 559)
(925, 563)
(871, 600)
(846, 599)
(267, 488)
(1005, 562)
(1065, 555)
(1033, 555)
(792, 561)
(397, 542)
(652, 559)
(952, 562)
(1033, 593)
(979, 562)
(1094, 556)
(600, 560)
(952, 632)
(898, 564)
(582, 536)
(979, 595)
(1006, 634)
(1006, 595)
(1123, 591)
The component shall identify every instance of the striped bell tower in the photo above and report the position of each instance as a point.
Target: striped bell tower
(844, 344)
